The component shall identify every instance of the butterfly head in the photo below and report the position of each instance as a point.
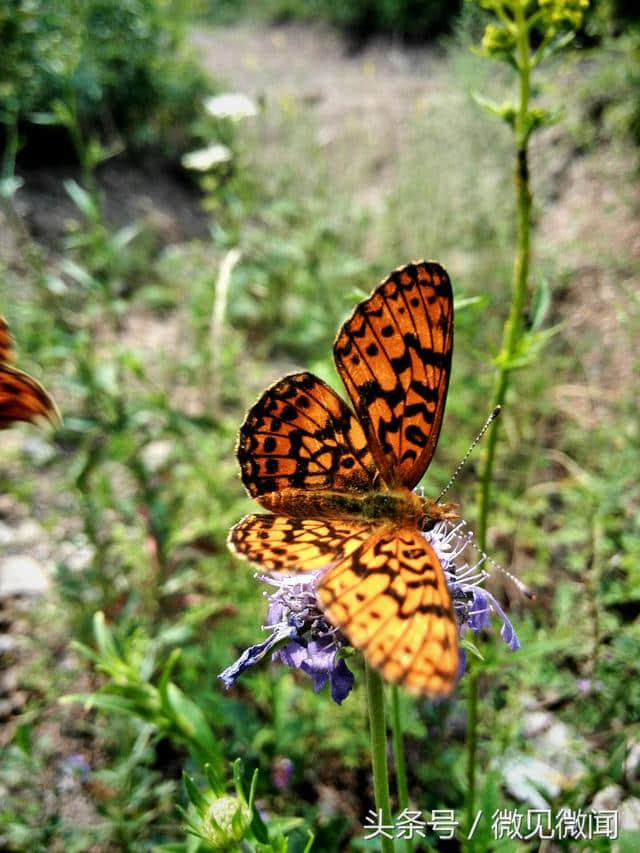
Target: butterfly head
(434, 512)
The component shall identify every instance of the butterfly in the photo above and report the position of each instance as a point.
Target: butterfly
(22, 398)
(339, 482)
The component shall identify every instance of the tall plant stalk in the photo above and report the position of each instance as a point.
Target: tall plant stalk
(378, 734)
(402, 787)
(513, 326)
(509, 40)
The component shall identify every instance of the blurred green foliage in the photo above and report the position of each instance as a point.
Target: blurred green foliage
(119, 68)
(411, 20)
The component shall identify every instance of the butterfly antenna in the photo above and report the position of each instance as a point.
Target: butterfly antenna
(494, 414)
(524, 589)
(520, 585)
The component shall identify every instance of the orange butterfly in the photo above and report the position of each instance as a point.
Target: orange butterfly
(22, 398)
(339, 485)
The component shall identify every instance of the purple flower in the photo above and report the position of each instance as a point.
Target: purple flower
(313, 644)
(282, 772)
(302, 638)
(73, 771)
(472, 603)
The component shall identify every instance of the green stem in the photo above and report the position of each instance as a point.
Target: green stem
(472, 740)
(12, 143)
(398, 758)
(510, 339)
(378, 733)
(513, 326)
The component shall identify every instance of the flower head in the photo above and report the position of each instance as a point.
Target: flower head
(226, 822)
(204, 159)
(472, 603)
(302, 637)
(233, 105)
(282, 772)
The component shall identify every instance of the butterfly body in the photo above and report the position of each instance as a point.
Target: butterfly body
(399, 506)
(338, 482)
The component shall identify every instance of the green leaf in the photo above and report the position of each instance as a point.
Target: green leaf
(104, 702)
(193, 792)
(541, 304)
(172, 660)
(22, 738)
(537, 118)
(45, 118)
(472, 648)
(506, 111)
(104, 638)
(190, 721)
(83, 200)
(214, 780)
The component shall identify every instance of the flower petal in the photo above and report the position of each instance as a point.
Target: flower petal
(254, 654)
(341, 680)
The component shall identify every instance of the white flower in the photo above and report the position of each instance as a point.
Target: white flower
(233, 105)
(206, 158)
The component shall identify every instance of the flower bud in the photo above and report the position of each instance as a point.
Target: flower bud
(226, 822)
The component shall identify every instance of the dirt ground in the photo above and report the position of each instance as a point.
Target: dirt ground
(588, 204)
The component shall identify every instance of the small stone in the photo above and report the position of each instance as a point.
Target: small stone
(7, 644)
(76, 557)
(23, 575)
(18, 700)
(632, 763)
(156, 455)
(630, 814)
(24, 532)
(9, 680)
(608, 799)
(38, 451)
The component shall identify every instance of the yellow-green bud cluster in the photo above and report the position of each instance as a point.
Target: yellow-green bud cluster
(225, 822)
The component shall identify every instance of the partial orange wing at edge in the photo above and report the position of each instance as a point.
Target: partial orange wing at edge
(22, 398)
(6, 354)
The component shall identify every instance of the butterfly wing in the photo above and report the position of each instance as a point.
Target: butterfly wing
(22, 398)
(394, 357)
(6, 355)
(390, 598)
(277, 543)
(301, 435)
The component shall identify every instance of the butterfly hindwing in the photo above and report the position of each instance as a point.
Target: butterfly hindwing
(277, 543)
(390, 599)
(394, 357)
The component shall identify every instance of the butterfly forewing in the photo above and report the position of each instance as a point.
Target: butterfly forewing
(394, 357)
(390, 599)
(301, 435)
